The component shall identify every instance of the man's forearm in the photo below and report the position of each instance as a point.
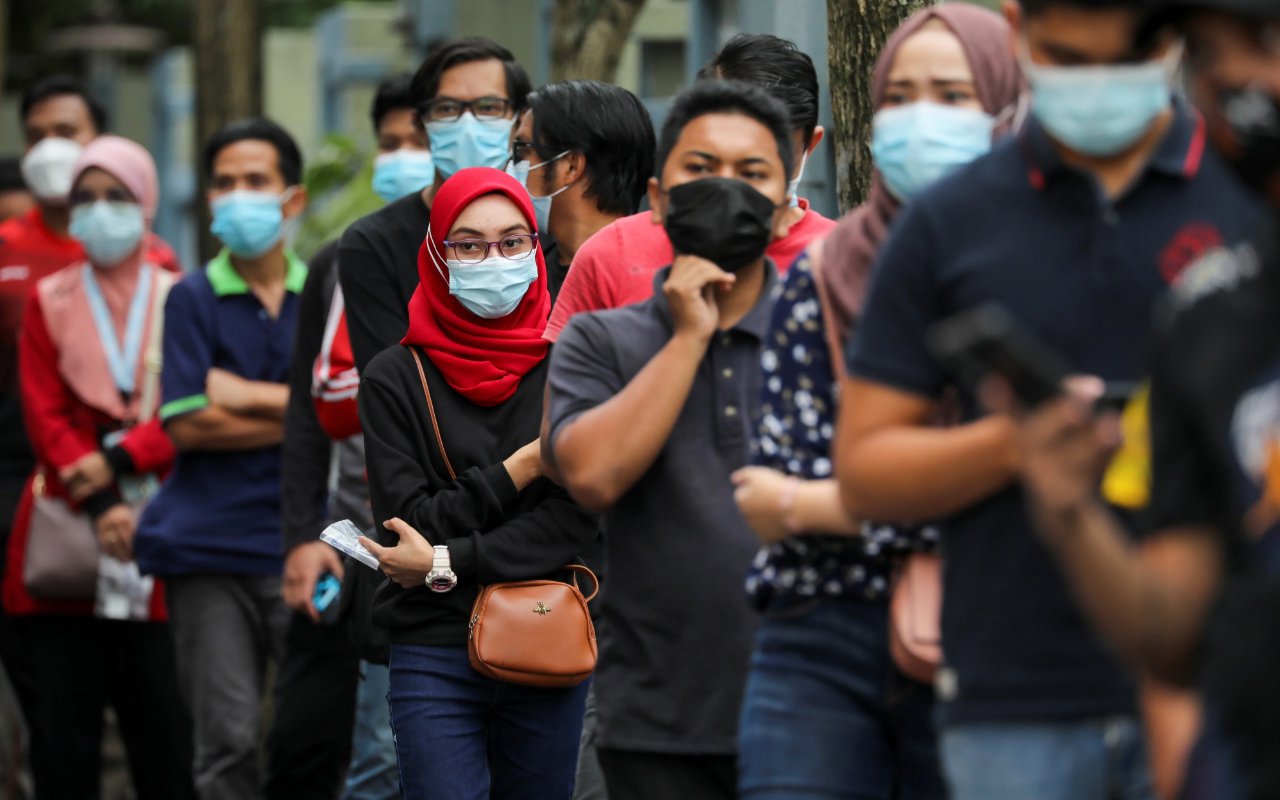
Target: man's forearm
(216, 428)
(266, 399)
(603, 452)
(915, 472)
(1148, 604)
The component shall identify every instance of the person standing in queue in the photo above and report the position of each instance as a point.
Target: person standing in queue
(475, 345)
(1104, 197)
(827, 712)
(213, 529)
(648, 413)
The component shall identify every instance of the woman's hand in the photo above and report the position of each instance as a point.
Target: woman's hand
(525, 465)
(765, 497)
(115, 528)
(90, 474)
(408, 562)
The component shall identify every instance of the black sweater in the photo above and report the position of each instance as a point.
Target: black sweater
(494, 533)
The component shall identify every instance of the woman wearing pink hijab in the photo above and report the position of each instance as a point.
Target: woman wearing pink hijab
(828, 713)
(88, 374)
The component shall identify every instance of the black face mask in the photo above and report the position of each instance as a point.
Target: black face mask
(723, 220)
(1253, 116)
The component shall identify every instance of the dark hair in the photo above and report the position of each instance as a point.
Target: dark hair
(775, 65)
(609, 126)
(11, 174)
(1033, 8)
(290, 160)
(726, 97)
(55, 85)
(426, 81)
(392, 93)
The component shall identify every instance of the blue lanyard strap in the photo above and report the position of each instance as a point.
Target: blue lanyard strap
(123, 365)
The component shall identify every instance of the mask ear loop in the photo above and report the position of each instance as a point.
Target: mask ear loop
(435, 256)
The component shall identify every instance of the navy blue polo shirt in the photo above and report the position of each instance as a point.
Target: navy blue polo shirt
(219, 511)
(1081, 271)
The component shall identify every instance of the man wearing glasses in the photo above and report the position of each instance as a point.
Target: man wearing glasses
(467, 94)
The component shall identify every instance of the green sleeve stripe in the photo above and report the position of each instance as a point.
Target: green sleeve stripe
(182, 405)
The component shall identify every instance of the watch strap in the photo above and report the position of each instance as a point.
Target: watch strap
(441, 560)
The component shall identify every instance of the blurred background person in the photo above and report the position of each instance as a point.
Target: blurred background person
(331, 715)
(1105, 196)
(83, 380)
(584, 150)
(15, 198)
(213, 530)
(827, 713)
(616, 266)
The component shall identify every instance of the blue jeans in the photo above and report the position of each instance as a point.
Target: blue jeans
(373, 774)
(462, 736)
(827, 715)
(1102, 759)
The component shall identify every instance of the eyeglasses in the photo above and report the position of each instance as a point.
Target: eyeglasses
(447, 109)
(514, 247)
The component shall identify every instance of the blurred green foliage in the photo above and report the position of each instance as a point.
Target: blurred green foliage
(339, 188)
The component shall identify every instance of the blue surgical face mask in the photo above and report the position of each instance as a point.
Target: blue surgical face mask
(541, 204)
(1100, 111)
(401, 172)
(109, 230)
(916, 144)
(249, 223)
(470, 142)
(490, 289)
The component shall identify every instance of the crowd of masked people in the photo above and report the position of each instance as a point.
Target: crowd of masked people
(829, 564)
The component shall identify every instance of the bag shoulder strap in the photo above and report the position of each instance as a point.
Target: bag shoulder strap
(834, 345)
(153, 359)
(431, 410)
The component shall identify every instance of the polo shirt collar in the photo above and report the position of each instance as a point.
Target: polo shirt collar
(1179, 154)
(755, 322)
(226, 281)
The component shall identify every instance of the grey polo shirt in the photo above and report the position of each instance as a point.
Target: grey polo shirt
(676, 630)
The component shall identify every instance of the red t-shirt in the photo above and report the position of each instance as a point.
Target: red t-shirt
(615, 267)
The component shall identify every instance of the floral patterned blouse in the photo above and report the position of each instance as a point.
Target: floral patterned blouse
(797, 424)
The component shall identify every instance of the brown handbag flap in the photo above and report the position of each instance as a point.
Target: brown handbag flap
(533, 632)
(61, 559)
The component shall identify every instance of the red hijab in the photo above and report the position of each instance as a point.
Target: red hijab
(482, 359)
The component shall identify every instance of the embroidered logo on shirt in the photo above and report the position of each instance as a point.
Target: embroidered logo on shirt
(1218, 270)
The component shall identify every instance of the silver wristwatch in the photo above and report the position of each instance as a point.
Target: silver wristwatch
(441, 578)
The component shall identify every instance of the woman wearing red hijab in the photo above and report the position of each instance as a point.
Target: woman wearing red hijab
(475, 330)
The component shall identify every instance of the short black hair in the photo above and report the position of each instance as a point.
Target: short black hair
(775, 65)
(726, 97)
(262, 129)
(11, 174)
(609, 126)
(426, 81)
(55, 85)
(392, 93)
(1034, 8)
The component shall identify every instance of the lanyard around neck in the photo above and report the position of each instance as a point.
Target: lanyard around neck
(123, 363)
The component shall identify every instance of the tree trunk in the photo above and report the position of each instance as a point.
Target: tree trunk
(4, 39)
(856, 32)
(228, 77)
(588, 35)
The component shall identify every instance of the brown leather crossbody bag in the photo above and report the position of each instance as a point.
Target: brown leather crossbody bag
(536, 632)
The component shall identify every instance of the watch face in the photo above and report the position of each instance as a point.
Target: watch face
(441, 583)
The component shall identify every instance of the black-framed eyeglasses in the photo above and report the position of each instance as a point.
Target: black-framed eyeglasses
(448, 109)
(513, 247)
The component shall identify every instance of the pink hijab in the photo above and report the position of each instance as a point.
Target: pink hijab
(130, 163)
(850, 250)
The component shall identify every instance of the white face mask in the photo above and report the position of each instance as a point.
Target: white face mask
(47, 168)
(793, 186)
